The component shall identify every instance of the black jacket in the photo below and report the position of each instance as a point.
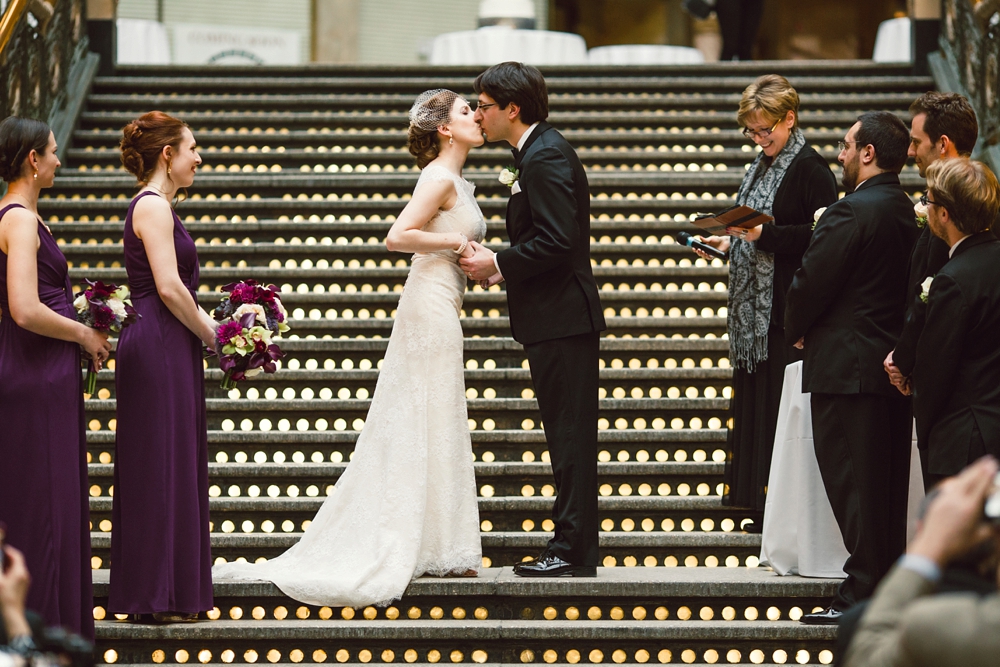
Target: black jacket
(929, 254)
(808, 185)
(849, 296)
(957, 374)
(551, 291)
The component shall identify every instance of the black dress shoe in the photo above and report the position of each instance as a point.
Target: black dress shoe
(550, 565)
(828, 616)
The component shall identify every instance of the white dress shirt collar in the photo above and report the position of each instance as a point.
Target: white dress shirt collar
(951, 252)
(524, 137)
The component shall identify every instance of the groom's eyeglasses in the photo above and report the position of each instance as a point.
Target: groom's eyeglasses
(483, 107)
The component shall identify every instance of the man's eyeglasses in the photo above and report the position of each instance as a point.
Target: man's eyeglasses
(483, 107)
(760, 134)
(842, 145)
(925, 200)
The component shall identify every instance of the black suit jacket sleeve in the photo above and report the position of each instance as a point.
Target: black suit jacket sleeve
(826, 265)
(816, 187)
(929, 255)
(905, 353)
(553, 211)
(940, 347)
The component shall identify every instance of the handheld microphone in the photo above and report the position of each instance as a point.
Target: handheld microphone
(686, 239)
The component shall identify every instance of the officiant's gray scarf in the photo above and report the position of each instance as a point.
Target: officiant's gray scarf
(751, 271)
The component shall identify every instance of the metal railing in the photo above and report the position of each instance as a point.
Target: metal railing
(40, 42)
(970, 46)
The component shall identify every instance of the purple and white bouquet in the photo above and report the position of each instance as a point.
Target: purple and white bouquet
(107, 308)
(250, 318)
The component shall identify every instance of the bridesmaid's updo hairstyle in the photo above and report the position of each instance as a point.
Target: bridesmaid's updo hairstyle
(431, 110)
(18, 137)
(772, 97)
(143, 140)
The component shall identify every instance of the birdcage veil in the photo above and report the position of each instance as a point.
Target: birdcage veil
(432, 109)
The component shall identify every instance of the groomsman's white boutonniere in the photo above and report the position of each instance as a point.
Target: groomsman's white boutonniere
(817, 215)
(925, 288)
(921, 212)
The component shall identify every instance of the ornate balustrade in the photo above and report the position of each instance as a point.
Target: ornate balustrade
(970, 53)
(45, 65)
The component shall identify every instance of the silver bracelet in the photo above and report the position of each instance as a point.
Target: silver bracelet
(461, 248)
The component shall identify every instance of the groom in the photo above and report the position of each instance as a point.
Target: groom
(552, 299)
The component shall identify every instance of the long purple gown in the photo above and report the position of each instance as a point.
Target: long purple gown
(160, 550)
(43, 450)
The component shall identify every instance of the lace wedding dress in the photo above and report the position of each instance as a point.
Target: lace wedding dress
(406, 504)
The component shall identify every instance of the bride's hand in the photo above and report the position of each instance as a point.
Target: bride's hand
(470, 249)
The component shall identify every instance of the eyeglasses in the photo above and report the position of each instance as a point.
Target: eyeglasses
(925, 200)
(483, 107)
(760, 134)
(842, 145)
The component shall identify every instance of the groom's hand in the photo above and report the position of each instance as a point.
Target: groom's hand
(480, 266)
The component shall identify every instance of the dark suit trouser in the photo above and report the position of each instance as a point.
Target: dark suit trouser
(564, 372)
(863, 444)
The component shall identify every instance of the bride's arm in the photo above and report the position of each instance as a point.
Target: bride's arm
(406, 234)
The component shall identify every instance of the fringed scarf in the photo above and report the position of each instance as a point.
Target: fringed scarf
(751, 271)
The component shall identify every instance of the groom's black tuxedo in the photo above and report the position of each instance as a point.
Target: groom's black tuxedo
(551, 291)
(957, 372)
(555, 312)
(848, 300)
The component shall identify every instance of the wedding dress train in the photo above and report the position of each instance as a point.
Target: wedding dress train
(406, 504)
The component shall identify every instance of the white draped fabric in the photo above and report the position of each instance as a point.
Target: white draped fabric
(497, 44)
(644, 54)
(142, 42)
(800, 534)
(892, 42)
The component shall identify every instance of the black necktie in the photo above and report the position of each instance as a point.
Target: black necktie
(515, 153)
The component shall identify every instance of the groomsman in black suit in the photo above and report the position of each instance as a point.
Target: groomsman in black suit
(846, 306)
(943, 126)
(956, 377)
(552, 300)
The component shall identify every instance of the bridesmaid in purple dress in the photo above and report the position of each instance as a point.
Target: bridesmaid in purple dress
(160, 550)
(43, 447)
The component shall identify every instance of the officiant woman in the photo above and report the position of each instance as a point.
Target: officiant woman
(788, 180)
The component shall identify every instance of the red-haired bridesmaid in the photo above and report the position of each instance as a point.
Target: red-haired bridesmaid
(160, 551)
(43, 446)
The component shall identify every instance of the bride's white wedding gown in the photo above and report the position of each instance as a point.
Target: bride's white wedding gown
(406, 504)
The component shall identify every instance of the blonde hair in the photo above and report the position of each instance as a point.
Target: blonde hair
(771, 96)
(968, 189)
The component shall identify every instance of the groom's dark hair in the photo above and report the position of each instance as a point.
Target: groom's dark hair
(521, 84)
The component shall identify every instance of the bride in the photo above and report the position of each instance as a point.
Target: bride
(406, 505)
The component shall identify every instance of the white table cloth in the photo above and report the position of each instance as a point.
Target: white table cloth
(497, 44)
(142, 42)
(892, 41)
(800, 533)
(644, 54)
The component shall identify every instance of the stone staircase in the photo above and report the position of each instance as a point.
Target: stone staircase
(304, 172)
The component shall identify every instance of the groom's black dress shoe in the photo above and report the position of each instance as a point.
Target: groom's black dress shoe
(550, 565)
(828, 616)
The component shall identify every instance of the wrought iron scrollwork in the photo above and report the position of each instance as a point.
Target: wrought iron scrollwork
(37, 61)
(970, 42)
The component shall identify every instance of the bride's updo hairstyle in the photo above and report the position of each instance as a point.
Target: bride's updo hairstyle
(143, 140)
(18, 137)
(431, 110)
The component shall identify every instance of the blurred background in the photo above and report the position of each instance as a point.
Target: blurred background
(406, 32)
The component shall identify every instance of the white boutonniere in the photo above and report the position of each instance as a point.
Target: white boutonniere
(817, 215)
(509, 176)
(921, 212)
(925, 288)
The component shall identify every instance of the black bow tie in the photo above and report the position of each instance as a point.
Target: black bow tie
(515, 152)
